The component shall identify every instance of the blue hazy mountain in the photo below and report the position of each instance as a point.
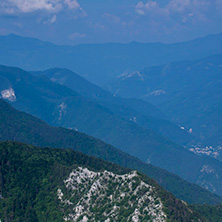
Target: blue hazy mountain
(189, 92)
(135, 110)
(101, 63)
(19, 126)
(61, 106)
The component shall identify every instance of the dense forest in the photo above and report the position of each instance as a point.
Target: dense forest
(19, 126)
(30, 177)
(211, 213)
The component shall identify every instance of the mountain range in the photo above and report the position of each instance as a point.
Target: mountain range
(59, 105)
(188, 92)
(73, 151)
(22, 127)
(101, 63)
(135, 110)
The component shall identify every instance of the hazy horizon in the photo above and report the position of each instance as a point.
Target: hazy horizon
(110, 42)
(72, 22)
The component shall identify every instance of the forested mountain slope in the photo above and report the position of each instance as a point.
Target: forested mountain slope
(61, 106)
(19, 126)
(136, 110)
(43, 184)
(189, 92)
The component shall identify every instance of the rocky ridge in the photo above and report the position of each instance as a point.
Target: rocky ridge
(105, 196)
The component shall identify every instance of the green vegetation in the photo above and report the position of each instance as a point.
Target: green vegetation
(61, 106)
(30, 177)
(19, 126)
(211, 213)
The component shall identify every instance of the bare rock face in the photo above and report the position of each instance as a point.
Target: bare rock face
(105, 196)
(8, 94)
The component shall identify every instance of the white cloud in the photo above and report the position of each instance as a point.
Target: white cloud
(73, 4)
(183, 9)
(150, 5)
(178, 5)
(188, 5)
(28, 6)
(151, 8)
(191, 10)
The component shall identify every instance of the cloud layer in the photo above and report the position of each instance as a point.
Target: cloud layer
(66, 21)
(182, 10)
(29, 6)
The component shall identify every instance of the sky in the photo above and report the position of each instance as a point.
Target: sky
(99, 21)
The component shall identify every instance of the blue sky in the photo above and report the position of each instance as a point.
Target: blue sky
(90, 21)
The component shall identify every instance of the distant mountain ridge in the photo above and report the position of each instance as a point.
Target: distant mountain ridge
(189, 92)
(101, 63)
(64, 107)
(22, 127)
(135, 110)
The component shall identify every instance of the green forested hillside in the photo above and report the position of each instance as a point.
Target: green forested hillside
(19, 126)
(189, 92)
(31, 177)
(61, 106)
(135, 110)
(211, 213)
